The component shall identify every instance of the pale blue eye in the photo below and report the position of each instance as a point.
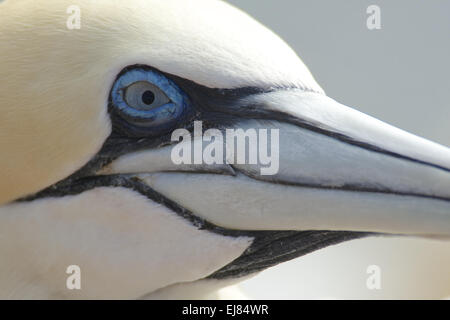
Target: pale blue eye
(146, 102)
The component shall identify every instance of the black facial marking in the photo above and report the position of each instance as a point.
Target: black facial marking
(273, 247)
(216, 108)
(268, 248)
(208, 106)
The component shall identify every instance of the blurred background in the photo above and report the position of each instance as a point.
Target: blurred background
(399, 74)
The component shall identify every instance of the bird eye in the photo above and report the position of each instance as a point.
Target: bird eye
(145, 102)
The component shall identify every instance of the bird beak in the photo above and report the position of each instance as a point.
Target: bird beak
(322, 166)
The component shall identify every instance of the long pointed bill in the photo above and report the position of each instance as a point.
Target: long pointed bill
(321, 166)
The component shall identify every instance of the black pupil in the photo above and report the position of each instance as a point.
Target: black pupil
(148, 97)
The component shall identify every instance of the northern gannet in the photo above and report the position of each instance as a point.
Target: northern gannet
(86, 173)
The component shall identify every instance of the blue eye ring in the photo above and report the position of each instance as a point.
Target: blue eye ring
(154, 120)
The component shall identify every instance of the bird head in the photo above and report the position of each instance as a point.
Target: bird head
(106, 129)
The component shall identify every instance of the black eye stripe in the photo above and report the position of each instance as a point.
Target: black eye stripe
(204, 98)
(206, 105)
